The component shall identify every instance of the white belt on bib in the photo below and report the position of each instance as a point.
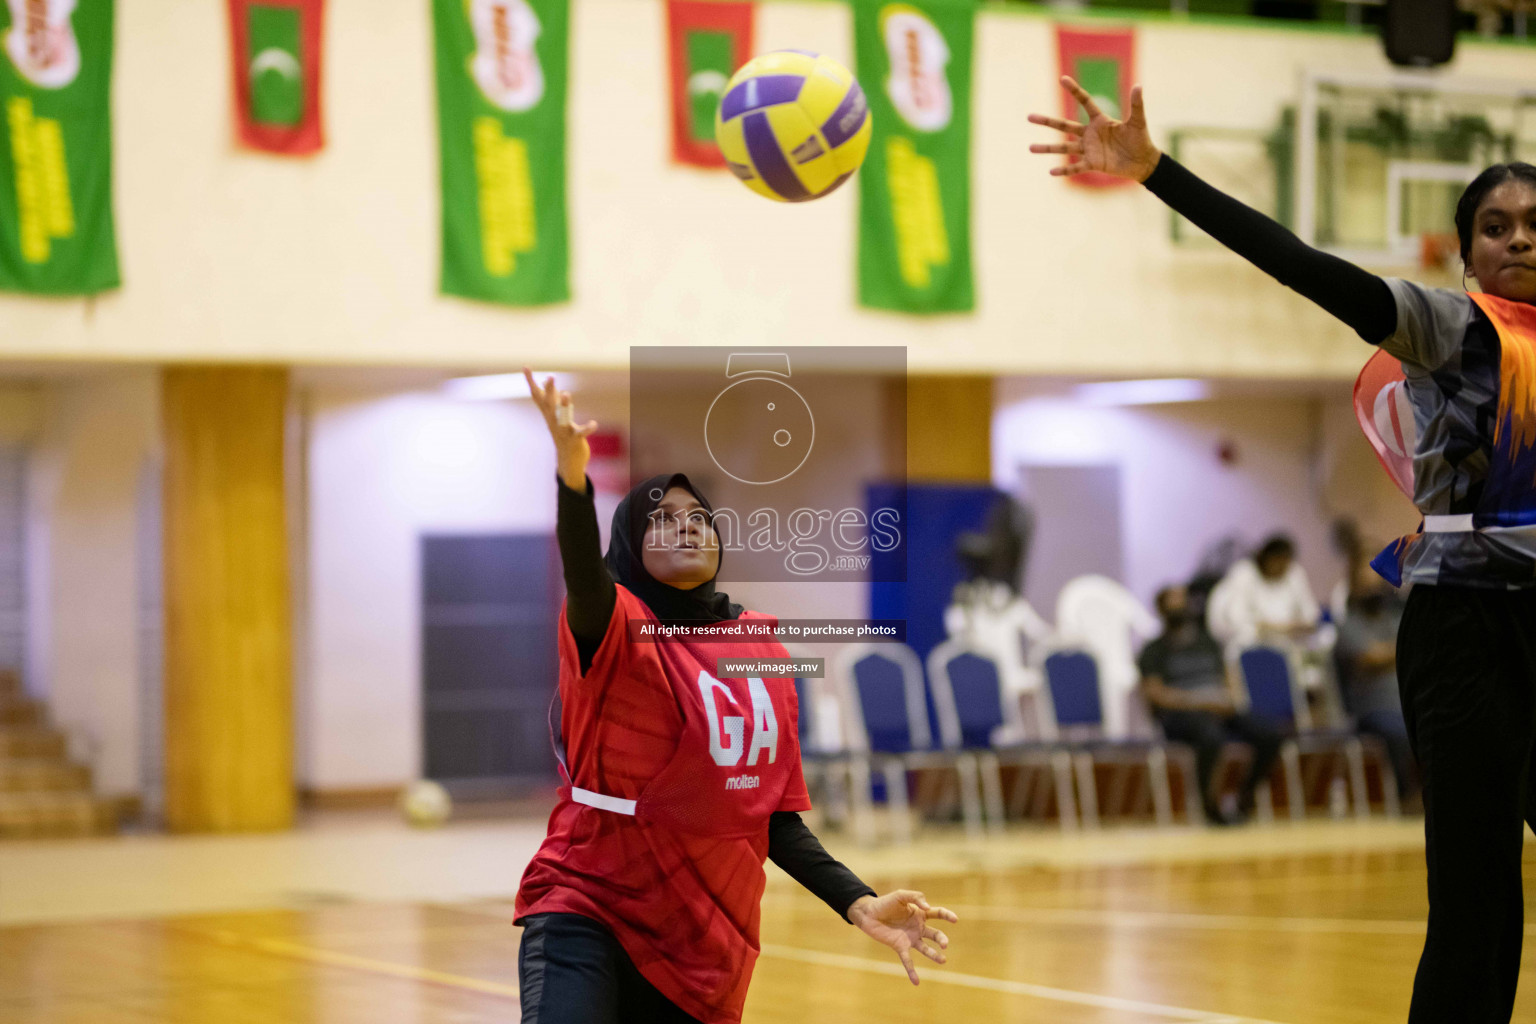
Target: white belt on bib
(601, 802)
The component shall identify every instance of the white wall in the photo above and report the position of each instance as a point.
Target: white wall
(233, 255)
(22, 408)
(381, 471)
(1295, 458)
(97, 433)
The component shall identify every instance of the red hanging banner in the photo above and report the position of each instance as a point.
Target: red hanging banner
(707, 41)
(276, 64)
(1103, 61)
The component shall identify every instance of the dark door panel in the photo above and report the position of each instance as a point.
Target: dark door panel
(489, 663)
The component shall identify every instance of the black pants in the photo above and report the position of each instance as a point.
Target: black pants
(1207, 732)
(1466, 664)
(573, 971)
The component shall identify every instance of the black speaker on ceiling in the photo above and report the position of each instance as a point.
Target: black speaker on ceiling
(1419, 33)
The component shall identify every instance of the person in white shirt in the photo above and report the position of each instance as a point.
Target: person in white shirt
(991, 616)
(988, 612)
(986, 608)
(1112, 623)
(1266, 597)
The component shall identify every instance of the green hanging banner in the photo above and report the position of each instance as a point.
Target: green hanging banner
(501, 83)
(56, 233)
(914, 61)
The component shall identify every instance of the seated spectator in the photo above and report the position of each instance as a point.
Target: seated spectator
(1110, 621)
(994, 618)
(1184, 676)
(986, 608)
(1349, 546)
(1266, 597)
(1367, 661)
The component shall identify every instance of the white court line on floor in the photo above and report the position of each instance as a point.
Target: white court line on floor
(1294, 884)
(332, 958)
(347, 961)
(944, 976)
(1205, 922)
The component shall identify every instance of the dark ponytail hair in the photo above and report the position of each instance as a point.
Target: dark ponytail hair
(1472, 198)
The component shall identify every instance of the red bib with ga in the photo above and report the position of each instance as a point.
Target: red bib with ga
(662, 829)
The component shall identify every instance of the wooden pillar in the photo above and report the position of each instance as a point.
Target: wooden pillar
(949, 429)
(228, 643)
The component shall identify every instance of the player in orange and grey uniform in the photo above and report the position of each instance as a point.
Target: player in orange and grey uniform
(1467, 647)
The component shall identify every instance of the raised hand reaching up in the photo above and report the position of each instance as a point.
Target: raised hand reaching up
(1121, 148)
(572, 452)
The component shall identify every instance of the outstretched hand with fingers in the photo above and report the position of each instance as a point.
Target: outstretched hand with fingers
(900, 920)
(572, 452)
(1121, 148)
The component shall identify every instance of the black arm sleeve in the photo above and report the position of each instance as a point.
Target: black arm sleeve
(589, 590)
(1359, 298)
(795, 848)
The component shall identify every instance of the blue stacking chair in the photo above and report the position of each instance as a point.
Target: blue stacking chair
(806, 701)
(1274, 694)
(885, 707)
(966, 682)
(820, 764)
(1077, 704)
(825, 766)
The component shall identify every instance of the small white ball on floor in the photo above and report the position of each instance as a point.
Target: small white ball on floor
(425, 804)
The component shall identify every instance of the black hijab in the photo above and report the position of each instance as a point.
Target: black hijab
(668, 603)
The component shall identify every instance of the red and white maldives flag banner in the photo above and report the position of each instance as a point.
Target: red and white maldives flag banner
(707, 41)
(1103, 61)
(277, 73)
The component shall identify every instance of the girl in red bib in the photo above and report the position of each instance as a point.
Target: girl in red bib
(642, 905)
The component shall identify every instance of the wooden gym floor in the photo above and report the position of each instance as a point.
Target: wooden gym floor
(1319, 923)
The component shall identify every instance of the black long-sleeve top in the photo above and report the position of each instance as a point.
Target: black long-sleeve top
(590, 597)
(590, 594)
(1357, 297)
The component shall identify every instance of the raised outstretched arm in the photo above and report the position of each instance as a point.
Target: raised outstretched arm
(1124, 149)
(590, 594)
